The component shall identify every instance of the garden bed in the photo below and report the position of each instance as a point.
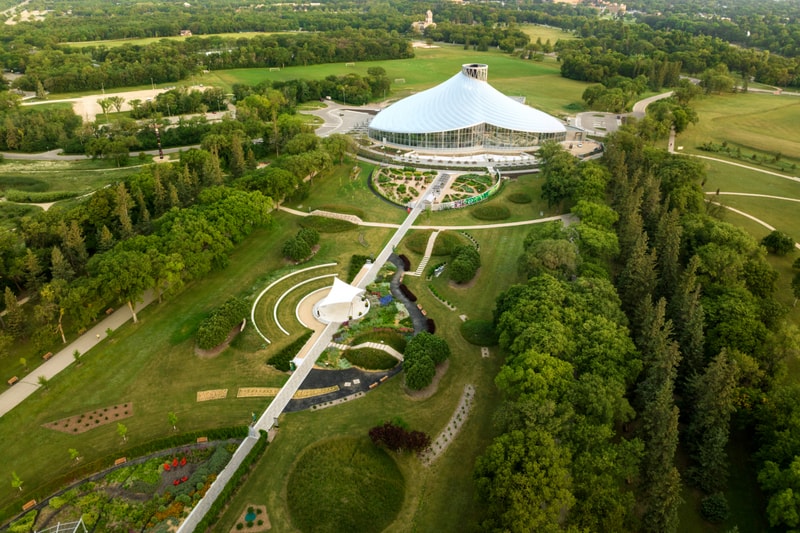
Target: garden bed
(92, 419)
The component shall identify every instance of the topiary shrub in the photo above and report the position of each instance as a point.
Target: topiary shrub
(464, 264)
(215, 329)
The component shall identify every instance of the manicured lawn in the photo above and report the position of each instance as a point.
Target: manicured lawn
(540, 82)
(761, 122)
(538, 31)
(731, 178)
(340, 189)
(345, 484)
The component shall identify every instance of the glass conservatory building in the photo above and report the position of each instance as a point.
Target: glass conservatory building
(464, 115)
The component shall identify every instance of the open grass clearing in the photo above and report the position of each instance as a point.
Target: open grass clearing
(545, 33)
(753, 121)
(339, 189)
(732, 178)
(431, 66)
(144, 41)
(781, 214)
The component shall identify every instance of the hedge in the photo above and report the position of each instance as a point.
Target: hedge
(431, 326)
(212, 515)
(406, 262)
(356, 262)
(13, 195)
(282, 359)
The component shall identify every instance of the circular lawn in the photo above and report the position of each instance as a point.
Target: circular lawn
(344, 485)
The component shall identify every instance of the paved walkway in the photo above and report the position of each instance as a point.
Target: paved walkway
(374, 345)
(29, 384)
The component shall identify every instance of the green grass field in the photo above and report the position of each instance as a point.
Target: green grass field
(541, 83)
(113, 43)
(763, 123)
(538, 31)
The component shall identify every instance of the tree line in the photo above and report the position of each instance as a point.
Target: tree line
(692, 333)
(610, 48)
(63, 68)
(159, 229)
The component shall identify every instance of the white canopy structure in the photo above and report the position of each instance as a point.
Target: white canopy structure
(464, 114)
(343, 302)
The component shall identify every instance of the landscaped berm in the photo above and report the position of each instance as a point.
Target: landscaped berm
(344, 484)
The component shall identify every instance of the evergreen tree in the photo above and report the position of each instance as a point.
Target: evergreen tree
(237, 164)
(661, 480)
(637, 281)
(713, 394)
(15, 315)
(59, 266)
(122, 210)
(105, 239)
(33, 271)
(668, 244)
(686, 312)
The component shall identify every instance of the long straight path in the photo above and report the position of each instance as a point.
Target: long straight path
(29, 384)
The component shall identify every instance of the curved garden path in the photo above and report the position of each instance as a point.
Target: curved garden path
(751, 217)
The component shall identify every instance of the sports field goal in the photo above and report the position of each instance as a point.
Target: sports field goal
(274, 69)
(349, 64)
(399, 80)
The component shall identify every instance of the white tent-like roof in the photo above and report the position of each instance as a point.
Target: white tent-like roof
(463, 101)
(343, 302)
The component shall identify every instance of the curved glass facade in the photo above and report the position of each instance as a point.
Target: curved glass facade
(481, 136)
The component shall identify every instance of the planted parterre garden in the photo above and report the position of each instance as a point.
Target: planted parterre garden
(401, 185)
(467, 186)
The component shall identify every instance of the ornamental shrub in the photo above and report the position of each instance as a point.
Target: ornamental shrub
(215, 329)
(464, 264)
(714, 508)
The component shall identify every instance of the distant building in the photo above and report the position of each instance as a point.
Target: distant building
(186, 33)
(420, 25)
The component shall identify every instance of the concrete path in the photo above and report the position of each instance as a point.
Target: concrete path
(374, 345)
(751, 217)
(29, 384)
(427, 257)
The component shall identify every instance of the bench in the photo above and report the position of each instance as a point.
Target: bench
(384, 378)
(373, 385)
(202, 439)
(121, 460)
(29, 505)
(13, 380)
(109, 310)
(47, 356)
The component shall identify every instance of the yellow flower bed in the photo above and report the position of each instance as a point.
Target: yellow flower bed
(257, 392)
(215, 394)
(310, 393)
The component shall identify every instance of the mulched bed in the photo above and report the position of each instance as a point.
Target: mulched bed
(92, 419)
